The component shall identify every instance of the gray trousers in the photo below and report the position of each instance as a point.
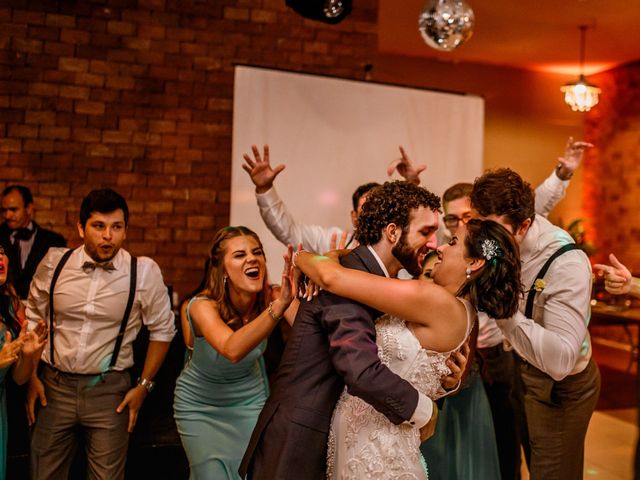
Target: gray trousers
(81, 403)
(558, 415)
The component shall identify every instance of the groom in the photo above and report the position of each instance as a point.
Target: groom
(333, 344)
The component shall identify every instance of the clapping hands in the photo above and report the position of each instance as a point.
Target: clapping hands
(29, 343)
(10, 349)
(35, 340)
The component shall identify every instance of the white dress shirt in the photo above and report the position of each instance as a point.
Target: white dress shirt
(287, 230)
(548, 194)
(89, 308)
(556, 340)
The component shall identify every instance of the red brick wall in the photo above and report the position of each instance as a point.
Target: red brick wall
(138, 96)
(612, 170)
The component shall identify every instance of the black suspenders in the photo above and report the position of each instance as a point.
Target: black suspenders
(54, 279)
(125, 318)
(528, 312)
(127, 311)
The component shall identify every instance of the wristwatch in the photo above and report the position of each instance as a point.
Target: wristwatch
(148, 384)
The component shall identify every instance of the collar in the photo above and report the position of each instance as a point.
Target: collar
(542, 235)
(118, 260)
(31, 227)
(17, 234)
(382, 265)
(530, 241)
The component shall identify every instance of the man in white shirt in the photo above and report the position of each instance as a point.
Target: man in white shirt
(284, 226)
(102, 296)
(549, 333)
(501, 382)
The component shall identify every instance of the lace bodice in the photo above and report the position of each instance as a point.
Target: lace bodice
(363, 443)
(400, 350)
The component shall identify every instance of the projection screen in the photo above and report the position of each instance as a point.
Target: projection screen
(334, 135)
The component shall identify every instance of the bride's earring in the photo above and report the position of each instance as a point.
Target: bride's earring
(468, 272)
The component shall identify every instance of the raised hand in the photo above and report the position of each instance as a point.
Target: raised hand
(260, 170)
(289, 285)
(334, 244)
(406, 169)
(573, 154)
(617, 277)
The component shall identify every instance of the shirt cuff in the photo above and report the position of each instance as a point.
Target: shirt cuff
(508, 325)
(162, 336)
(267, 198)
(423, 413)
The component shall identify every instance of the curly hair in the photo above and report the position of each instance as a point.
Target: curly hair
(495, 288)
(391, 203)
(216, 288)
(503, 192)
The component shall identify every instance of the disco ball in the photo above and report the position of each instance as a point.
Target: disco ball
(446, 24)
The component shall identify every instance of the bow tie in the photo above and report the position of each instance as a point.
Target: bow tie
(23, 234)
(89, 267)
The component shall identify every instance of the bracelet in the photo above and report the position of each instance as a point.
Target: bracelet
(295, 257)
(566, 177)
(149, 385)
(271, 314)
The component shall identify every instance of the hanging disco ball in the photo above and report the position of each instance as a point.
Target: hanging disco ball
(446, 24)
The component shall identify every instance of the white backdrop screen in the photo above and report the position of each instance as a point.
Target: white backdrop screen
(334, 135)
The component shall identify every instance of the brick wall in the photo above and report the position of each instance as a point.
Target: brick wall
(138, 96)
(612, 170)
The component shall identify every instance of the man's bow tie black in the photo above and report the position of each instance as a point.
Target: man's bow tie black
(24, 234)
(89, 267)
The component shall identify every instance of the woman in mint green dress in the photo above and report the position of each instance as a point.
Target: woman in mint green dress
(19, 349)
(464, 443)
(222, 389)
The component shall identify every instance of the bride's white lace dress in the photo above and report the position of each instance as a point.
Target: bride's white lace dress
(363, 443)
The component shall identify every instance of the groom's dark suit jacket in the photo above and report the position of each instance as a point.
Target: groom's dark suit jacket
(332, 343)
(43, 240)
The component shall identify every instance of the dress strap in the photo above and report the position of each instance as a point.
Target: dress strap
(193, 299)
(472, 314)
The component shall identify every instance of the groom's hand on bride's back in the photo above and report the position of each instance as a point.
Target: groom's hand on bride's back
(457, 363)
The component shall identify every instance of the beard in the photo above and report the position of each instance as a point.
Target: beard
(407, 257)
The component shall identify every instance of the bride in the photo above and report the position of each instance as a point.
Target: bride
(425, 322)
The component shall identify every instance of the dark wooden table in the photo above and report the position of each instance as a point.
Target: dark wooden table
(602, 314)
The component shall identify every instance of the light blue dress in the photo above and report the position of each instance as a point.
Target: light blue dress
(464, 444)
(216, 407)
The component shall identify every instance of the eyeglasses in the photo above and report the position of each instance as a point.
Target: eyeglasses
(452, 221)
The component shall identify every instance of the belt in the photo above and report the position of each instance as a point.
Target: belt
(72, 374)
